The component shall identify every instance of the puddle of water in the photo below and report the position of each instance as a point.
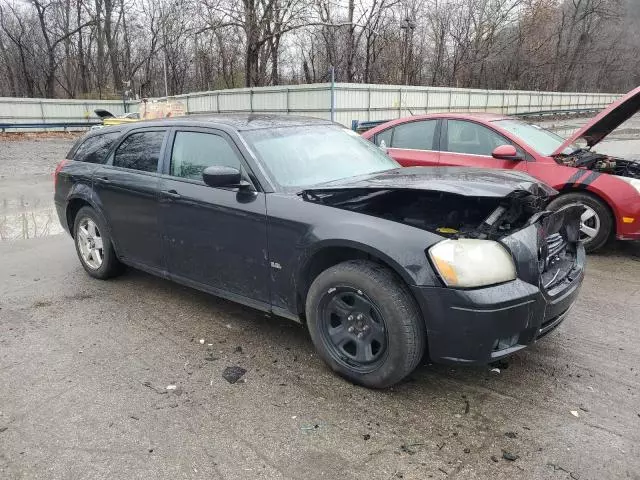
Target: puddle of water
(20, 219)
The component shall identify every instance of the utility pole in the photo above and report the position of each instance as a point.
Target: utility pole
(408, 25)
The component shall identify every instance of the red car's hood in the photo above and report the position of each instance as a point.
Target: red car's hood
(606, 121)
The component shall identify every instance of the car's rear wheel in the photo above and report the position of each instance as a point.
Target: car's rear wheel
(596, 223)
(365, 324)
(94, 246)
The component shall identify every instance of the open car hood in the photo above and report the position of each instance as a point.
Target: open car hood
(464, 181)
(606, 121)
(102, 113)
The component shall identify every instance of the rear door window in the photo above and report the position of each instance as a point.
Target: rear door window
(194, 151)
(140, 151)
(95, 148)
(414, 135)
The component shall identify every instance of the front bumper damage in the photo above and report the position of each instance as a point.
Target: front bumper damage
(482, 325)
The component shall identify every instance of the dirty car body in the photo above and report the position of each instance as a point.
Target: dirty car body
(607, 186)
(309, 197)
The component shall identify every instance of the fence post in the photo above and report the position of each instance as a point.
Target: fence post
(251, 100)
(486, 102)
(218, 101)
(426, 105)
(287, 100)
(469, 101)
(42, 114)
(400, 102)
(369, 103)
(502, 106)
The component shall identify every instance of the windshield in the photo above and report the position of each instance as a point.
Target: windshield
(543, 141)
(298, 157)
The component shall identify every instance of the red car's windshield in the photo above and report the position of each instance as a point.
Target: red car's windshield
(542, 140)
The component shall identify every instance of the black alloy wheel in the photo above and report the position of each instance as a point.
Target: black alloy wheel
(353, 329)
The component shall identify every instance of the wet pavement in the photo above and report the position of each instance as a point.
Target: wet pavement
(26, 184)
(88, 370)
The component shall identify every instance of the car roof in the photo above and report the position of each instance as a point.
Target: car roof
(235, 121)
(478, 116)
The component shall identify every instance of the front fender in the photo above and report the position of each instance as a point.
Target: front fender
(401, 247)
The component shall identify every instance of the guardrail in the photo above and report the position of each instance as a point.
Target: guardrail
(45, 126)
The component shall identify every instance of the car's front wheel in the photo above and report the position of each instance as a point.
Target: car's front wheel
(365, 324)
(596, 222)
(94, 246)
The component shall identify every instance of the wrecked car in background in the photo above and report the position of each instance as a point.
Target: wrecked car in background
(149, 110)
(304, 219)
(608, 188)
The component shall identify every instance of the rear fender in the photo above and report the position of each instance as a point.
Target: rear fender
(84, 193)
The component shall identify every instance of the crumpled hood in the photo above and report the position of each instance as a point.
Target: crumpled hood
(606, 121)
(465, 181)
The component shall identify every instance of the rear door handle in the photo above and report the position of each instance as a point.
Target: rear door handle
(103, 180)
(171, 194)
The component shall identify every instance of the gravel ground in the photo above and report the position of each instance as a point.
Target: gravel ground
(85, 366)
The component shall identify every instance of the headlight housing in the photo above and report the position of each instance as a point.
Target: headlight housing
(468, 262)
(634, 182)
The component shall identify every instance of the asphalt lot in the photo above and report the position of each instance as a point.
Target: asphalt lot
(85, 365)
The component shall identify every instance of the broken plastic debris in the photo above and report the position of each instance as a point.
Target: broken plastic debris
(293, 417)
(233, 374)
(171, 387)
(202, 341)
(575, 413)
(495, 370)
(512, 457)
(446, 230)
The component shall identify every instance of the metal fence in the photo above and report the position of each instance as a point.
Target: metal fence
(378, 102)
(344, 102)
(38, 111)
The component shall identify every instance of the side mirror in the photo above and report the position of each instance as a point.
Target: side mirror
(218, 176)
(506, 152)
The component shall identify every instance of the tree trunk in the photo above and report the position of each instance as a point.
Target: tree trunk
(84, 86)
(110, 37)
(99, 48)
(351, 40)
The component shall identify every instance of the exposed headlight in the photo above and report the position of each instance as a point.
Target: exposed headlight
(634, 182)
(470, 262)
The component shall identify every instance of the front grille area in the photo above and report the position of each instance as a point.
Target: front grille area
(557, 261)
(555, 245)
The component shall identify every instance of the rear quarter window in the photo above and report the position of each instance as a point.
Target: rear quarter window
(94, 149)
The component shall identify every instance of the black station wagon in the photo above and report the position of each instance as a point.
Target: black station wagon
(304, 219)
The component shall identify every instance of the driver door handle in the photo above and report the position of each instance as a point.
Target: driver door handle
(171, 194)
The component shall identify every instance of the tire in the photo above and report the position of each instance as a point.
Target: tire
(89, 230)
(392, 329)
(601, 218)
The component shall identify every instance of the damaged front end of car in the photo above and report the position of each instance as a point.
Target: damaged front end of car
(600, 163)
(596, 130)
(510, 269)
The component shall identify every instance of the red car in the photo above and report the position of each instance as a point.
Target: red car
(608, 187)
